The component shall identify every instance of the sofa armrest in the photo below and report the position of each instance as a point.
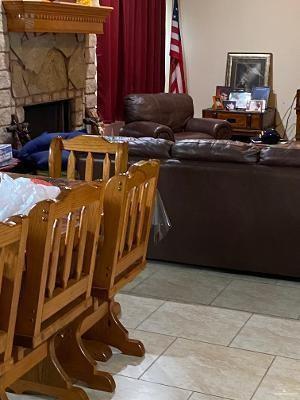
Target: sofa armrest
(217, 128)
(147, 129)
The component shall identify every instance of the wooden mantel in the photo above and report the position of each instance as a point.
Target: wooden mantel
(57, 17)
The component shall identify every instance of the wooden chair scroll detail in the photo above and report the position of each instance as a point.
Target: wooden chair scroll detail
(90, 144)
(13, 235)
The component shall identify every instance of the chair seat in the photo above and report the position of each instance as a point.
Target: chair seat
(192, 135)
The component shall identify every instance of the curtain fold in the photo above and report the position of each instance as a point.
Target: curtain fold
(131, 53)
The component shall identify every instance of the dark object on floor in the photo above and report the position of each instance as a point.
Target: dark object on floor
(169, 116)
(270, 136)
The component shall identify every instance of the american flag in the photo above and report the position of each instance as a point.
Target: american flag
(177, 79)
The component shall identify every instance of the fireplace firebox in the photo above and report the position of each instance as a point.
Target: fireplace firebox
(48, 117)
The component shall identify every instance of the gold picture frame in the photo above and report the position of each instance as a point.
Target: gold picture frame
(246, 70)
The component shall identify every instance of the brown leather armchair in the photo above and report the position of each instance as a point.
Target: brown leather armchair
(169, 116)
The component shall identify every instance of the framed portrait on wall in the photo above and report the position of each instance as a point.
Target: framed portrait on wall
(247, 70)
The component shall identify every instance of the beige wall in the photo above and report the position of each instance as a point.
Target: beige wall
(210, 29)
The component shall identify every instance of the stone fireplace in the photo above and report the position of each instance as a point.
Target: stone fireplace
(38, 68)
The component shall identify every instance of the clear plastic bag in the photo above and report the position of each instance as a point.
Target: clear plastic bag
(160, 223)
(18, 196)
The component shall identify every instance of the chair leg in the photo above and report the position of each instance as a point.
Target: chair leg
(110, 331)
(97, 350)
(49, 378)
(79, 364)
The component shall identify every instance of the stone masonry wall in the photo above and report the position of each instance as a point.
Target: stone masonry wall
(44, 67)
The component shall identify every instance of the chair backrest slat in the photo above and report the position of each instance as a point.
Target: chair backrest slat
(57, 229)
(13, 235)
(89, 167)
(90, 144)
(71, 171)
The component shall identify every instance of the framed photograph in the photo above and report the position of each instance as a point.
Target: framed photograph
(229, 105)
(223, 92)
(246, 70)
(261, 93)
(256, 105)
(241, 99)
(217, 103)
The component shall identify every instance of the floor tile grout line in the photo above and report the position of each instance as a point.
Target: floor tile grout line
(142, 281)
(262, 379)
(170, 300)
(220, 345)
(162, 353)
(148, 316)
(219, 294)
(240, 330)
(216, 396)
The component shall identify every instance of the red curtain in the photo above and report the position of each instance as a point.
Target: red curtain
(131, 53)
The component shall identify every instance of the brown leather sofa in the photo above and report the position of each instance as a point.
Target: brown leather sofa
(232, 205)
(169, 116)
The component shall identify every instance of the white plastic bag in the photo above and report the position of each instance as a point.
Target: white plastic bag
(18, 196)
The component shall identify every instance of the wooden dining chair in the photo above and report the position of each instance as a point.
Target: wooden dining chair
(13, 235)
(92, 145)
(56, 291)
(128, 207)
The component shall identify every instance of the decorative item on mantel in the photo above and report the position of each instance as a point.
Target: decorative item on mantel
(57, 17)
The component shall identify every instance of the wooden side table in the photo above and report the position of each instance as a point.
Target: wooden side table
(244, 123)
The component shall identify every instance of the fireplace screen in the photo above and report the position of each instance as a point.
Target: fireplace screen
(48, 117)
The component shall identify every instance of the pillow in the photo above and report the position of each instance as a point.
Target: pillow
(40, 159)
(43, 142)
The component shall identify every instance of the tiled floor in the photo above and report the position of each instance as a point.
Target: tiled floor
(209, 335)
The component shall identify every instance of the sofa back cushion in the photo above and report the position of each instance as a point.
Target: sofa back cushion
(281, 155)
(215, 150)
(145, 147)
(173, 110)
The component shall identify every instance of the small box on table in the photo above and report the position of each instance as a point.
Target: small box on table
(5, 154)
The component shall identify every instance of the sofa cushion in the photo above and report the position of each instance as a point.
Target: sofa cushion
(145, 147)
(215, 150)
(192, 135)
(281, 155)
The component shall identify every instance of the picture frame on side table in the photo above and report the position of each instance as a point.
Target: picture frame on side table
(241, 99)
(223, 92)
(261, 93)
(256, 105)
(247, 70)
(229, 105)
(217, 103)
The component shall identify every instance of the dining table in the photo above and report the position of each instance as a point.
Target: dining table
(161, 223)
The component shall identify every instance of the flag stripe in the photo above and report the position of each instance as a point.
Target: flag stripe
(177, 78)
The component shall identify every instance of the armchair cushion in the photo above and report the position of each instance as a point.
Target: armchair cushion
(147, 129)
(192, 135)
(217, 128)
(173, 110)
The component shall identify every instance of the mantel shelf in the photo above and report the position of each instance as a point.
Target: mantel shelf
(46, 16)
